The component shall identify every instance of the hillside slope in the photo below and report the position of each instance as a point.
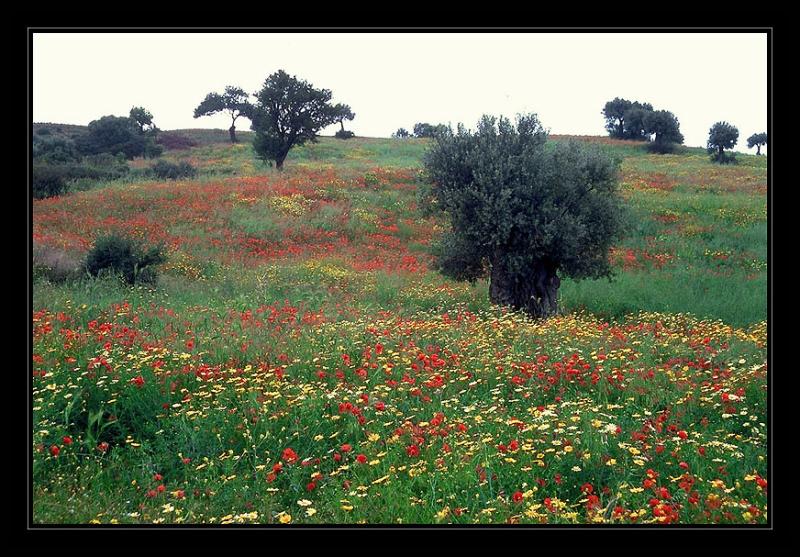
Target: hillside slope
(300, 361)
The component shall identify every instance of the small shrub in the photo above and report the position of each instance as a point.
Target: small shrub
(152, 151)
(166, 170)
(55, 150)
(723, 157)
(344, 134)
(126, 257)
(662, 147)
(174, 141)
(47, 181)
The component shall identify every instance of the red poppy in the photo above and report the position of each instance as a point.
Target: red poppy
(54, 450)
(361, 458)
(517, 497)
(412, 450)
(346, 448)
(102, 447)
(67, 440)
(289, 455)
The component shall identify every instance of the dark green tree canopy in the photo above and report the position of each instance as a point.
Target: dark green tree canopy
(634, 119)
(423, 129)
(523, 210)
(143, 119)
(113, 134)
(234, 101)
(665, 129)
(625, 119)
(401, 132)
(757, 140)
(614, 113)
(55, 150)
(721, 136)
(289, 112)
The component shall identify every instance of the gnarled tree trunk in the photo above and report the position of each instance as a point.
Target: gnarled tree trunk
(232, 131)
(536, 293)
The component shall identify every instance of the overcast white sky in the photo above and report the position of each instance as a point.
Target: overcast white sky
(395, 80)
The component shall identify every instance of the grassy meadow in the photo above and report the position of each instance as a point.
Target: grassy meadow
(299, 360)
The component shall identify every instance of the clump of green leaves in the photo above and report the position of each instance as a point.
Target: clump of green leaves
(166, 170)
(126, 257)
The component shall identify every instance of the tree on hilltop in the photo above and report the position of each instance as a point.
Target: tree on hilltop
(234, 101)
(663, 125)
(757, 140)
(288, 112)
(721, 136)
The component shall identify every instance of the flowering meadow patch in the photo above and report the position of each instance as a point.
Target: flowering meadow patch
(301, 362)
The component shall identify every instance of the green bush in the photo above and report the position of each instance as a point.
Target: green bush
(118, 254)
(344, 134)
(166, 170)
(55, 150)
(47, 181)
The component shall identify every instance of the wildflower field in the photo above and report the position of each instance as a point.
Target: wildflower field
(300, 362)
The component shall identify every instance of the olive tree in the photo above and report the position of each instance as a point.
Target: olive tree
(523, 211)
(757, 140)
(665, 129)
(721, 136)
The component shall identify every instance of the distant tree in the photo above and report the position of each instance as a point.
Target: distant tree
(614, 113)
(423, 129)
(113, 134)
(625, 119)
(341, 113)
(664, 126)
(634, 118)
(401, 132)
(757, 140)
(148, 129)
(523, 213)
(721, 136)
(234, 101)
(289, 112)
(143, 119)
